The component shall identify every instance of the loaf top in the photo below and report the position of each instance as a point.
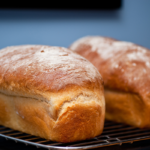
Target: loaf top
(36, 69)
(124, 66)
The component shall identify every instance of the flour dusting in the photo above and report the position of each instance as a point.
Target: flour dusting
(125, 62)
(37, 61)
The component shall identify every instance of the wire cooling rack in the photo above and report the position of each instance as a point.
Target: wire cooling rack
(113, 134)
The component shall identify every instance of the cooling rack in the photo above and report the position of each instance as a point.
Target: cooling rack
(113, 134)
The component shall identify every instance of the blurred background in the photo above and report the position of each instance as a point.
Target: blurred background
(60, 27)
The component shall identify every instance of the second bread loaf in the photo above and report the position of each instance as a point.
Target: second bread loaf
(125, 68)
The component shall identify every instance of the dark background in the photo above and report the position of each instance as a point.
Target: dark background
(60, 27)
(77, 4)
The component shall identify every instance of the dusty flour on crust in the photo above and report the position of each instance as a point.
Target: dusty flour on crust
(37, 61)
(125, 60)
(110, 49)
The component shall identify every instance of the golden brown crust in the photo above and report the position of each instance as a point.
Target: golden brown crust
(37, 69)
(53, 95)
(127, 108)
(80, 119)
(124, 66)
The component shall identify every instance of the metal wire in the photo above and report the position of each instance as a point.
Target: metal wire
(113, 134)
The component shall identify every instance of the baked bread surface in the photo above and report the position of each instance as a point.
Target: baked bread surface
(125, 68)
(50, 92)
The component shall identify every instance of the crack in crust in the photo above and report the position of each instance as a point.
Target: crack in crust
(81, 98)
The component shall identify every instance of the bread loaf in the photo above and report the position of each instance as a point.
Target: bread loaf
(50, 92)
(125, 68)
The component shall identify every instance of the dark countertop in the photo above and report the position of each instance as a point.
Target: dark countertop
(12, 145)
